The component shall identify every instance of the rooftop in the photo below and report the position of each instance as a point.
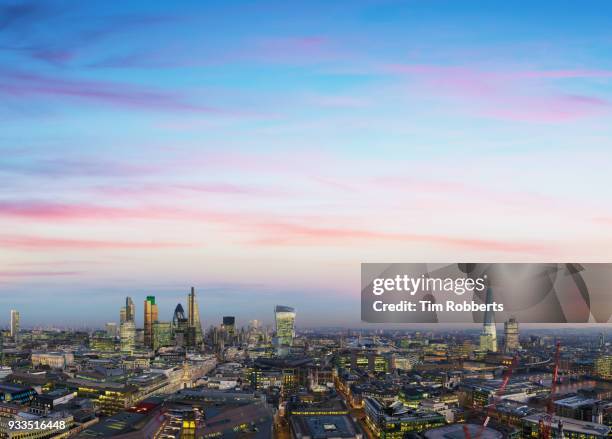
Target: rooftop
(456, 431)
(576, 401)
(581, 427)
(323, 427)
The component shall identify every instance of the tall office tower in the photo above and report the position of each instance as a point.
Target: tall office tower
(602, 340)
(15, 324)
(603, 367)
(193, 317)
(180, 326)
(488, 337)
(150, 317)
(162, 334)
(229, 324)
(128, 312)
(111, 329)
(511, 335)
(284, 320)
(127, 334)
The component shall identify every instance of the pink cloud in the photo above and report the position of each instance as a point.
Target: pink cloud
(291, 234)
(511, 95)
(264, 229)
(41, 243)
(57, 211)
(603, 220)
(13, 274)
(49, 211)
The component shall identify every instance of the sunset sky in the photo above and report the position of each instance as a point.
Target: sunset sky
(261, 151)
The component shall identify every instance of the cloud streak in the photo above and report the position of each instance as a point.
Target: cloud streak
(510, 94)
(19, 85)
(31, 242)
(20, 274)
(290, 234)
(77, 167)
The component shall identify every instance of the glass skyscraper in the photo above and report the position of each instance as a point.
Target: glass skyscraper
(15, 324)
(150, 317)
(284, 322)
(488, 337)
(193, 320)
(127, 328)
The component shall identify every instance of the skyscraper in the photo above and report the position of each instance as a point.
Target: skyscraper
(284, 321)
(15, 324)
(127, 334)
(511, 335)
(488, 337)
(128, 312)
(111, 329)
(229, 324)
(150, 317)
(162, 334)
(193, 320)
(127, 328)
(180, 326)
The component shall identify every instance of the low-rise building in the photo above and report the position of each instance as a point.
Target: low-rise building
(395, 420)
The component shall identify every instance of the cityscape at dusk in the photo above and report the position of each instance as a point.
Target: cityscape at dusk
(365, 219)
(184, 378)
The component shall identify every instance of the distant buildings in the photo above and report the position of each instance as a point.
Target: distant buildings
(162, 335)
(194, 327)
(488, 337)
(128, 312)
(284, 322)
(14, 325)
(229, 324)
(127, 335)
(127, 328)
(603, 367)
(55, 360)
(150, 317)
(180, 325)
(111, 329)
(511, 335)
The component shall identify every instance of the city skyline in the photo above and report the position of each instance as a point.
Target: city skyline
(145, 147)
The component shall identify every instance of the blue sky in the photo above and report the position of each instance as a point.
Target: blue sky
(264, 149)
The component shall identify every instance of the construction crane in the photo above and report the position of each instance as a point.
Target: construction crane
(496, 398)
(546, 421)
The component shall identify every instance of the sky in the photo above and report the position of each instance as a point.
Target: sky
(260, 151)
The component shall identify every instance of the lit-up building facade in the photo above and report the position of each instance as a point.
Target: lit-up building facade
(284, 323)
(14, 324)
(395, 420)
(150, 317)
(162, 334)
(194, 335)
(511, 335)
(488, 337)
(127, 334)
